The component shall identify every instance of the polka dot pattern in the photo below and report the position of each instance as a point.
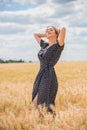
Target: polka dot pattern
(46, 82)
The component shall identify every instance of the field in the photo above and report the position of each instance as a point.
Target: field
(16, 82)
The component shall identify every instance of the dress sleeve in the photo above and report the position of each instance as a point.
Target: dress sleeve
(57, 45)
(43, 44)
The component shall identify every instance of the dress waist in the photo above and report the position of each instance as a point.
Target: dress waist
(43, 66)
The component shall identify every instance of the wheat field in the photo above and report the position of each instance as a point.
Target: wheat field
(16, 82)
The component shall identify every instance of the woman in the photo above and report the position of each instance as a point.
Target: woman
(46, 85)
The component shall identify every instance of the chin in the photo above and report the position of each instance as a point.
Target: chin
(48, 36)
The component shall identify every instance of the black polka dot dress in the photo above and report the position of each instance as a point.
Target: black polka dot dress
(46, 83)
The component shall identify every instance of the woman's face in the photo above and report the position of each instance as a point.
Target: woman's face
(50, 32)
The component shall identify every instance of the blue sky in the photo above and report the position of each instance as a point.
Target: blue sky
(19, 19)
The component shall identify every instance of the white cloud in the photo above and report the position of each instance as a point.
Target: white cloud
(17, 28)
(39, 15)
(30, 1)
(7, 28)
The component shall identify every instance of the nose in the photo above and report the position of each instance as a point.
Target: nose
(48, 31)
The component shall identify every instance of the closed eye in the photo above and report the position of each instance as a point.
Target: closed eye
(49, 30)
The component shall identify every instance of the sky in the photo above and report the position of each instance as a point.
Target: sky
(20, 19)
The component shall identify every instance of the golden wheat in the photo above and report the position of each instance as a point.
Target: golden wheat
(16, 82)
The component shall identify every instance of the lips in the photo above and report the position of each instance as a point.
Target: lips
(48, 33)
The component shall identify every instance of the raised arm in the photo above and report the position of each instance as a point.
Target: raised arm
(38, 36)
(61, 37)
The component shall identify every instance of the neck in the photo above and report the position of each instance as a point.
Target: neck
(52, 40)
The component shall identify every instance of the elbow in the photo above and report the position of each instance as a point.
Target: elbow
(34, 34)
(64, 29)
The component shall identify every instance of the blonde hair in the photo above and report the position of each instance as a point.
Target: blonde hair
(55, 28)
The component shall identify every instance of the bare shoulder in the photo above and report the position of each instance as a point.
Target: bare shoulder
(62, 35)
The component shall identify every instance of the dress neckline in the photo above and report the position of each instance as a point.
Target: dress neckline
(50, 46)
